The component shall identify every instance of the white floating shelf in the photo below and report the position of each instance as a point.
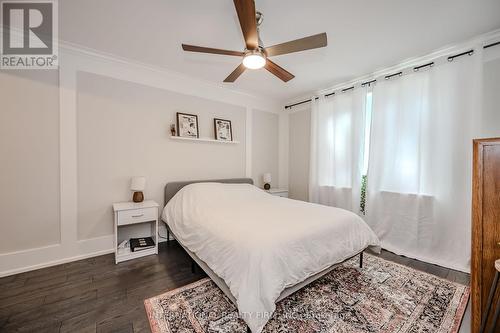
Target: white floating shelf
(180, 138)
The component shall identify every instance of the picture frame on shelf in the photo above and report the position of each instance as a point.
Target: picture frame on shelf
(187, 125)
(223, 130)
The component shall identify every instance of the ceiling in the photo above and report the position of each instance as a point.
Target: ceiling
(363, 35)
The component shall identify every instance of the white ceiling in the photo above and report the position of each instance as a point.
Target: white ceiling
(362, 35)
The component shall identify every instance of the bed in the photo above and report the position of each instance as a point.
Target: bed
(260, 248)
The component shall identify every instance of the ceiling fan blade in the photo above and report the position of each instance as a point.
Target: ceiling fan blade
(235, 74)
(201, 49)
(302, 44)
(248, 22)
(278, 71)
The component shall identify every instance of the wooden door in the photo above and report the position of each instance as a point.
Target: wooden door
(485, 225)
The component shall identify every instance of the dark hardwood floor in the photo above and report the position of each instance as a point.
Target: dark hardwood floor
(95, 295)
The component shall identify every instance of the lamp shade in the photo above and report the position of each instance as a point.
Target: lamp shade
(138, 184)
(266, 178)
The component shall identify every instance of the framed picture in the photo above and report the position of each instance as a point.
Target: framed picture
(187, 125)
(223, 130)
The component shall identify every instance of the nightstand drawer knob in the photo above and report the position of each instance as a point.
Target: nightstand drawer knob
(136, 216)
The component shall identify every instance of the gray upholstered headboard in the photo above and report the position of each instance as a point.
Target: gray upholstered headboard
(172, 188)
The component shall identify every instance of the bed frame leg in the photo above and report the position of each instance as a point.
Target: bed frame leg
(361, 260)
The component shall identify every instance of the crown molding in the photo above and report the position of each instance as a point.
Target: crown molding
(266, 103)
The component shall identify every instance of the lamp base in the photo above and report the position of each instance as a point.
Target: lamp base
(138, 197)
(267, 186)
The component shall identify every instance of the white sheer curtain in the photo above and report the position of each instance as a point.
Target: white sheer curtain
(419, 179)
(337, 127)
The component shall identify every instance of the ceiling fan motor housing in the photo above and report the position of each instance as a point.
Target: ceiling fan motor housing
(259, 17)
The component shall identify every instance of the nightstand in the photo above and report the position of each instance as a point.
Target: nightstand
(279, 192)
(135, 220)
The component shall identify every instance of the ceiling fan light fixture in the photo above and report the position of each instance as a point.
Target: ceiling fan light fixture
(254, 60)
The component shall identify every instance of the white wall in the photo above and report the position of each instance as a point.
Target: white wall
(491, 87)
(29, 159)
(283, 150)
(299, 148)
(74, 138)
(265, 145)
(124, 130)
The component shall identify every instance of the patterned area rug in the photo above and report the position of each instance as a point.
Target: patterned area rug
(380, 297)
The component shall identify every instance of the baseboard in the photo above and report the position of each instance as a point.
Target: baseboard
(52, 255)
(54, 263)
(26, 260)
(426, 259)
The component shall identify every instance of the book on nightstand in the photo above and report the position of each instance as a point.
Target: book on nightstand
(139, 244)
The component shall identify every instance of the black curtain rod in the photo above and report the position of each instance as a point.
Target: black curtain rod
(416, 69)
(490, 45)
(450, 58)
(307, 101)
(367, 83)
(387, 77)
(298, 103)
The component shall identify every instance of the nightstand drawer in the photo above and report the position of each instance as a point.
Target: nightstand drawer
(137, 215)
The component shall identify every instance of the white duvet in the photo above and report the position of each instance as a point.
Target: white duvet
(260, 244)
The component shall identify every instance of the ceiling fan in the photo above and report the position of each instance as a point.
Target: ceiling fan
(255, 55)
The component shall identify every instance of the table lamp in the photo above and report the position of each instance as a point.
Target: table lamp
(267, 181)
(137, 185)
